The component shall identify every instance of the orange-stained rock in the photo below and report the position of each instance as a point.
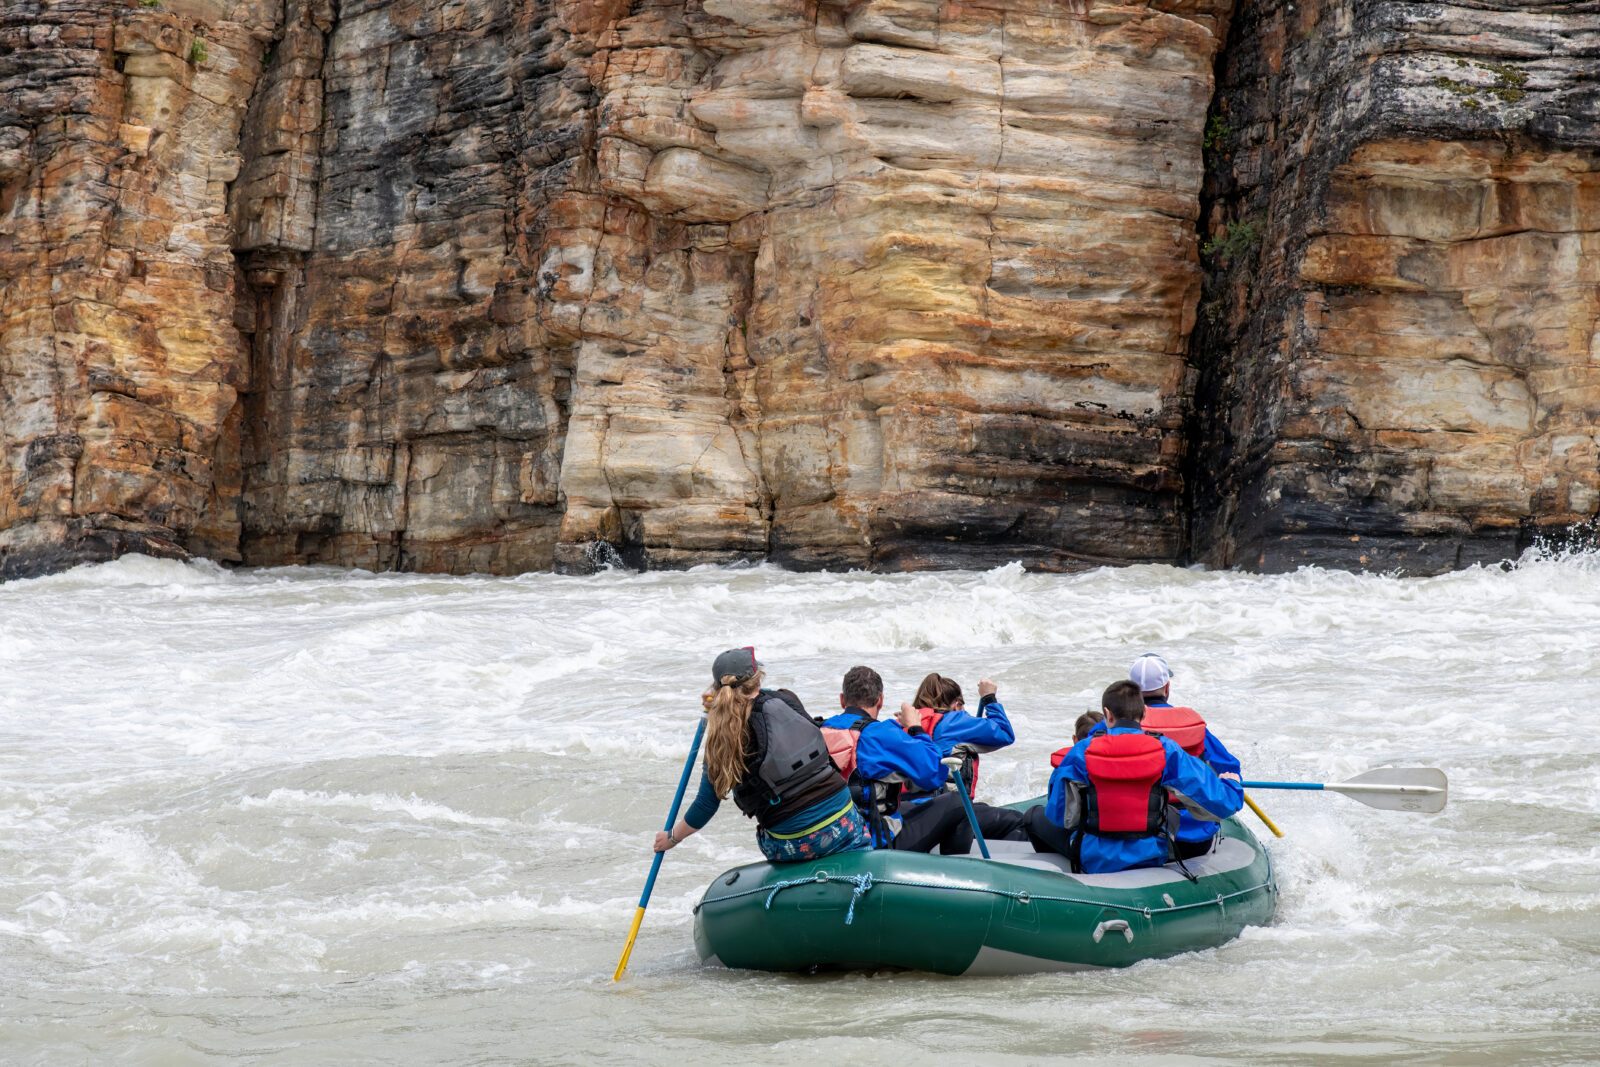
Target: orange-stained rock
(119, 360)
(458, 287)
(889, 284)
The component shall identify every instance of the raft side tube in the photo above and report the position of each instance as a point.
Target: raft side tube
(1017, 913)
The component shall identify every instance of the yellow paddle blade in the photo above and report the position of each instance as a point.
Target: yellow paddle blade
(1259, 814)
(627, 950)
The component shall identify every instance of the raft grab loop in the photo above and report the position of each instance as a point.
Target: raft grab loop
(862, 884)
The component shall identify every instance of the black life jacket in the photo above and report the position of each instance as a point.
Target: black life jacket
(787, 768)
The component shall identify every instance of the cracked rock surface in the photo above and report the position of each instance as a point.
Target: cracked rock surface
(1398, 351)
(886, 283)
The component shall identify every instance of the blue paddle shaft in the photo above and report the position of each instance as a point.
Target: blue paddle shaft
(677, 802)
(1283, 785)
(972, 816)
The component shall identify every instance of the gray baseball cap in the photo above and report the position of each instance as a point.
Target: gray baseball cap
(734, 666)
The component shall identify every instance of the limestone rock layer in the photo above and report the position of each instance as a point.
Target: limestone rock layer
(458, 287)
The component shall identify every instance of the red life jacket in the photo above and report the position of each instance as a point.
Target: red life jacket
(1182, 726)
(1125, 798)
(931, 718)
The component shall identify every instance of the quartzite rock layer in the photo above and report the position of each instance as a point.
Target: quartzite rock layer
(888, 283)
(1399, 356)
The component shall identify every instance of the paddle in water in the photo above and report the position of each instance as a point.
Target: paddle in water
(655, 864)
(1419, 789)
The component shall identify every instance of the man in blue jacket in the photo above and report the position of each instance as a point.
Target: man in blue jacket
(878, 756)
(1069, 813)
(1183, 725)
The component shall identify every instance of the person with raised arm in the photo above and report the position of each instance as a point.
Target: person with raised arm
(940, 709)
(881, 758)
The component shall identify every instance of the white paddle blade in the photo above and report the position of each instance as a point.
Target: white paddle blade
(1420, 789)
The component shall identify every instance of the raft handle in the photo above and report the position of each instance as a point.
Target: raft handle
(1113, 926)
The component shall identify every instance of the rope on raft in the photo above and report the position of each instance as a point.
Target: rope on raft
(863, 883)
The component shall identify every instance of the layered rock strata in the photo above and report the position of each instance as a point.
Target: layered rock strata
(889, 283)
(119, 361)
(879, 284)
(1399, 352)
(884, 284)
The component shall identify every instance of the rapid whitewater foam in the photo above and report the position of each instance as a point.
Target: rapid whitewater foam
(322, 816)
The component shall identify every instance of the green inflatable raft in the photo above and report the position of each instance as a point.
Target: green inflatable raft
(1017, 913)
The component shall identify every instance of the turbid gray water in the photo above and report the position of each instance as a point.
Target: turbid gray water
(317, 816)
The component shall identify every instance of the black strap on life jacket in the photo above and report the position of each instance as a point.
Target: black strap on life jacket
(871, 795)
(1168, 834)
(788, 768)
(877, 800)
(1160, 821)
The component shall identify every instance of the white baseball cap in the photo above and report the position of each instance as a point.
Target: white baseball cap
(1149, 672)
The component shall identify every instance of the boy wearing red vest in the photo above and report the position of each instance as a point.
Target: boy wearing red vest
(1184, 726)
(1106, 797)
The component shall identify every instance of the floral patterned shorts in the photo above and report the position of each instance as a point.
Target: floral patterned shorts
(847, 833)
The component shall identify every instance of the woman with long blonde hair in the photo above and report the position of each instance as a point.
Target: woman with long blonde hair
(764, 750)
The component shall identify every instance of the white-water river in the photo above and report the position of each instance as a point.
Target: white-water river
(317, 816)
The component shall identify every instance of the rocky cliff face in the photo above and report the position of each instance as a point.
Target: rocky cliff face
(878, 284)
(120, 366)
(418, 284)
(1399, 356)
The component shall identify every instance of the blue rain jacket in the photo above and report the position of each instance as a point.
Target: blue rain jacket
(886, 748)
(1220, 760)
(1183, 774)
(988, 730)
